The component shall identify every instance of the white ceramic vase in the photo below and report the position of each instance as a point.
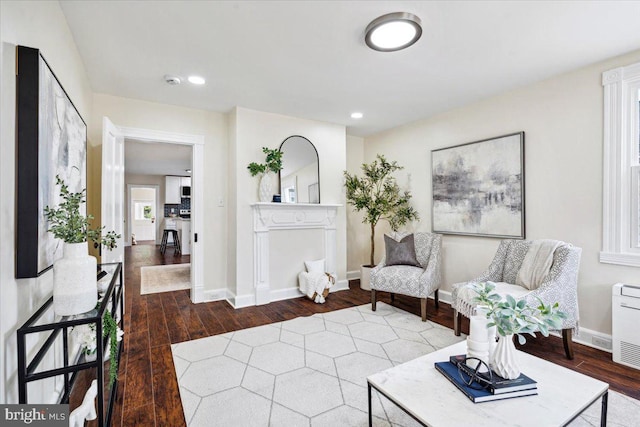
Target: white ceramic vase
(505, 358)
(74, 281)
(266, 190)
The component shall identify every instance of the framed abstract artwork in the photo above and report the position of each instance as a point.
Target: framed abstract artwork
(51, 139)
(478, 188)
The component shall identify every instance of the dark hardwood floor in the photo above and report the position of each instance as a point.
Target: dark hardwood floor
(148, 390)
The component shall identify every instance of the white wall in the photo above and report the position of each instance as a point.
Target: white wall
(254, 130)
(562, 119)
(40, 25)
(357, 232)
(148, 115)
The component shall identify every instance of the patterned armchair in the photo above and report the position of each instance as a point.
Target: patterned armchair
(560, 285)
(419, 282)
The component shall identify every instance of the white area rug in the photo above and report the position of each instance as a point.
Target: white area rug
(164, 278)
(311, 371)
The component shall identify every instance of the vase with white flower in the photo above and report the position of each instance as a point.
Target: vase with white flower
(513, 317)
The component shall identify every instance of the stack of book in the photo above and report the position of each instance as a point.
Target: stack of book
(487, 387)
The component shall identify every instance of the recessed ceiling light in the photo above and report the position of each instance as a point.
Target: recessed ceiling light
(393, 31)
(357, 115)
(196, 80)
(187, 170)
(172, 80)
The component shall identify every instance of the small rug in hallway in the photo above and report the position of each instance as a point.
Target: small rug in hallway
(311, 371)
(164, 278)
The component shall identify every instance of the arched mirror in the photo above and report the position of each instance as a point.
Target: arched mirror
(300, 174)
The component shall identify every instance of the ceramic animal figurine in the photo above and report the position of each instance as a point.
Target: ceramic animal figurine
(87, 409)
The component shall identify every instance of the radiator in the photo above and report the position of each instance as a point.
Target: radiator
(625, 324)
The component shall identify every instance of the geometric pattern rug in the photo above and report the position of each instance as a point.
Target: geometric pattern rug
(311, 371)
(164, 278)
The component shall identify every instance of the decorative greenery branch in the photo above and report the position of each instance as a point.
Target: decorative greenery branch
(379, 196)
(110, 329)
(512, 317)
(273, 162)
(68, 224)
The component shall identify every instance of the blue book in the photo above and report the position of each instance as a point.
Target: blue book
(496, 383)
(450, 371)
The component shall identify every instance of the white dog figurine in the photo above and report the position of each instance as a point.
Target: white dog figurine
(87, 410)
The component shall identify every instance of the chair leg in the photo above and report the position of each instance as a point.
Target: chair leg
(373, 300)
(457, 318)
(436, 299)
(568, 343)
(423, 309)
(393, 297)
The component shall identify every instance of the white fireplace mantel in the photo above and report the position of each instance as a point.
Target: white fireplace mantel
(289, 216)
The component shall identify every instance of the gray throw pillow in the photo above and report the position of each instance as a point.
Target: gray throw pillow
(400, 253)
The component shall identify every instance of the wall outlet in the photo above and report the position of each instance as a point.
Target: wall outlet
(602, 342)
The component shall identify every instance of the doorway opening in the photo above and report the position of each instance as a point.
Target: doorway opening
(118, 168)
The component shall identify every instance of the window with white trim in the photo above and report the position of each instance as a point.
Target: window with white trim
(621, 187)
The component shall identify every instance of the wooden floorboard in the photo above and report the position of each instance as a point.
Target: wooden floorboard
(148, 392)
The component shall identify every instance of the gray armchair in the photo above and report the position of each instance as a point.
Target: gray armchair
(419, 282)
(560, 285)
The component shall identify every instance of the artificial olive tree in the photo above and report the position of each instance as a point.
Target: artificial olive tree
(378, 195)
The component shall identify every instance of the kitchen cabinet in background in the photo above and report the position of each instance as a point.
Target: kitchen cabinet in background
(172, 190)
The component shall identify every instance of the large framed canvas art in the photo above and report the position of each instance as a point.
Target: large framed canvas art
(478, 188)
(51, 140)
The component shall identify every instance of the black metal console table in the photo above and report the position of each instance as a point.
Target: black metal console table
(46, 327)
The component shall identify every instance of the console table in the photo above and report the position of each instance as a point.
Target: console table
(47, 328)
(425, 394)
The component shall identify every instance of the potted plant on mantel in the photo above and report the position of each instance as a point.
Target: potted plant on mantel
(75, 288)
(273, 163)
(378, 195)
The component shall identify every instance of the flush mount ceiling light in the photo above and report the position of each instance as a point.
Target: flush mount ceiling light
(357, 115)
(196, 80)
(393, 31)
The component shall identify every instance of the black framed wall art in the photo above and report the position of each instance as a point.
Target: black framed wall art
(478, 188)
(51, 139)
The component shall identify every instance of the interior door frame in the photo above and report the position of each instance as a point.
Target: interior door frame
(156, 187)
(197, 194)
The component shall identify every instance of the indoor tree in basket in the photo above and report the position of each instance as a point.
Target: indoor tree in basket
(378, 195)
(75, 288)
(273, 163)
(514, 317)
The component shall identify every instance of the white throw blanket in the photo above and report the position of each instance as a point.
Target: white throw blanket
(313, 285)
(537, 263)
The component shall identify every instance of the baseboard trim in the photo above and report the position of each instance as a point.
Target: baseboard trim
(215, 295)
(353, 275)
(341, 285)
(287, 293)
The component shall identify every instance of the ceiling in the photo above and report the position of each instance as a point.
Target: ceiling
(308, 58)
(144, 158)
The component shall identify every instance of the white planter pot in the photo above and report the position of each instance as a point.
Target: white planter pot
(74, 281)
(505, 358)
(365, 278)
(266, 190)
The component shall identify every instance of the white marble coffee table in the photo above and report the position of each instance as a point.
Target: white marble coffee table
(425, 394)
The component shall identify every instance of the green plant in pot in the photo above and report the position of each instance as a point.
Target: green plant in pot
(378, 195)
(74, 275)
(513, 317)
(272, 164)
